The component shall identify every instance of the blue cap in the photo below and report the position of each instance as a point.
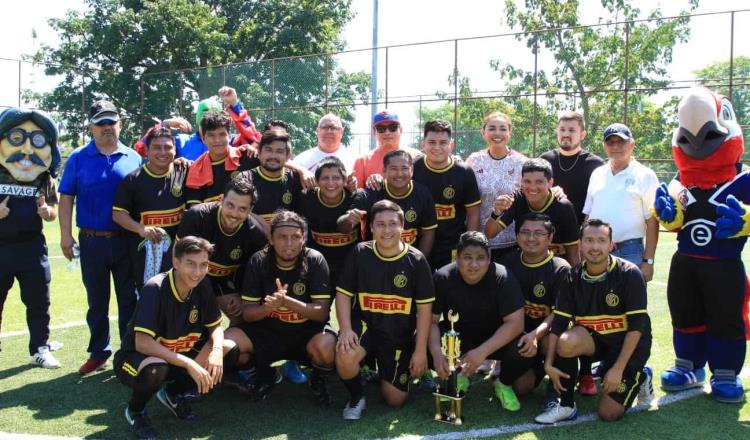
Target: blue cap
(384, 117)
(620, 130)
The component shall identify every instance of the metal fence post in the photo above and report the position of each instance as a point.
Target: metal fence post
(455, 85)
(19, 83)
(142, 100)
(386, 77)
(536, 89)
(273, 89)
(731, 58)
(627, 79)
(325, 86)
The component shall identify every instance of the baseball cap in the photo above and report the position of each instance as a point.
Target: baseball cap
(384, 117)
(103, 110)
(620, 130)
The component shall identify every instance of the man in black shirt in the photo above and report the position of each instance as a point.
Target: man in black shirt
(235, 234)
(606, 302)
(175, 337)
(490, 309)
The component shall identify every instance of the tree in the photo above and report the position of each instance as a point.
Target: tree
(107, 50)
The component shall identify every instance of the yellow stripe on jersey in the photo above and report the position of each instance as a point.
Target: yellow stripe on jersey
(384, 303)
(428, 228)
(425, 300)
(558, 312)
(634, 312)
(129, 369)
(469, 205)
(321, 296)
(145, 330)
(344, 291)
(250, 298)
(117, 208)
(215, 323)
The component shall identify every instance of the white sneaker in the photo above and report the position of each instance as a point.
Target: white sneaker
(43, 358)
(557, 413)
(646, 391)
(354, 412)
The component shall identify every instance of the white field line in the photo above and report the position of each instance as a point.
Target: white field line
(54, 327)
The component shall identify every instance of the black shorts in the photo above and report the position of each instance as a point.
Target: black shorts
(270, 346)
(393, 358)
(632, 375)
(126, 365)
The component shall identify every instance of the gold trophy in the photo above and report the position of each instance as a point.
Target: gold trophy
(449, 392)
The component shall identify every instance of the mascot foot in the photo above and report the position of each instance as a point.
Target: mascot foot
(679, 378)
(726, 387)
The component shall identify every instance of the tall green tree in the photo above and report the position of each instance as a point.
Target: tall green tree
(114, 45)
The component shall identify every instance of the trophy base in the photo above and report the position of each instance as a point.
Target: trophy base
(453, 415)
(450, 419)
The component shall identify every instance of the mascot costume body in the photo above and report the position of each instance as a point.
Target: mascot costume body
(707, 288)
(29, 159)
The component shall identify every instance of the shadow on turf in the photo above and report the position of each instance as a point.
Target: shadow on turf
(15, 370)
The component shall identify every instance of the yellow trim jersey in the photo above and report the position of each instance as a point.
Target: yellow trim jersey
(307, 286)
(175, 323)
(417, 204)
(386, 290)
(275, 193)
(213, 192)
(453, 189)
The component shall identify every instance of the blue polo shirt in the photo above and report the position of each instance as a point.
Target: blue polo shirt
(93, 178)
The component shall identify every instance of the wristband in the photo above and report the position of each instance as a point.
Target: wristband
(648, 261)
(216, 348)
(494, 216)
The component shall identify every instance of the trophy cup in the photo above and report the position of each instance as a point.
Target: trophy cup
(449, 391)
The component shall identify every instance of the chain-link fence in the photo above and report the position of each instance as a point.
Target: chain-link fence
(460, 80)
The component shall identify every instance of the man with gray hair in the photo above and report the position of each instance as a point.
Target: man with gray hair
(330, 131)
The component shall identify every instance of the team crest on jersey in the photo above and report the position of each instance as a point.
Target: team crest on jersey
(193, 317)
(400, 280)
(410, 215)
(539, 290)
(236, 253)
(612, 299)
(403, 379)
(287, 198)
(298, 288)
(449, 192)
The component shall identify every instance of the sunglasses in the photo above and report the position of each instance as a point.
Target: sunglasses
(391, 127)
(17, 136)
(105, 123)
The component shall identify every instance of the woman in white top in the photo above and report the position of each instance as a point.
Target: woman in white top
(498, 171)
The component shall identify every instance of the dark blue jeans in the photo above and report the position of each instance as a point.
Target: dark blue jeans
(632, 250)
(100, 257)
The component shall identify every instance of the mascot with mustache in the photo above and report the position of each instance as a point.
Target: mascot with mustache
(30, 157)
(706, 204)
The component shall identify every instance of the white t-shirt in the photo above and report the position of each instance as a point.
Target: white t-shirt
(623, 199)
(310, 158)
(496, 177)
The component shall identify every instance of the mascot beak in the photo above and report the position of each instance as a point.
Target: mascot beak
(700, 133)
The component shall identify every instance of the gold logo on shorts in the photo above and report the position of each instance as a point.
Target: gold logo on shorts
(400, 280)
(235, 254)
(449, 192)
(411, 215)
(403, 379)
(193, 317)
(287, 198)
(612, 299)
(298, 288)
(539, 290)
(621, 388)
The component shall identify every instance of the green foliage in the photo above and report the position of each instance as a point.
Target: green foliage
(718, 73)
(113, 46)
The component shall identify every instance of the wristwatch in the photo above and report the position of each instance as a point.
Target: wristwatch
(649, 261)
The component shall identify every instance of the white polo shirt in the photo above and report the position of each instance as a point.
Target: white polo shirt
(310, 158)
(623, 199)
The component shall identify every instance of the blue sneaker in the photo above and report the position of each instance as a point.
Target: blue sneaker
(682, 376)
(726, 387)
(291, 371)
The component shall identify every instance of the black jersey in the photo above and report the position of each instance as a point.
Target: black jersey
(260, 280)
(453, 189)
(386, 291)
(175, 323)
(540, 283)
(275, 193)
(213, 192)
(322, 232)
(572, 174)
(560, 212)
(156, 200)
(480, 307)
(417, 204)
(609, 305)
(23, 222)
(231, 250)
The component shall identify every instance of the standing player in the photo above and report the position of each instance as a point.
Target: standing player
(606, 302)
(175, 339)
(412, 197)
(490, 308)
(150, 200)
(541, 275)
(235, 236)
(535, 196)
(286, 304)
(571, 164)
(454, 190)
(322, 207)
(395, 305)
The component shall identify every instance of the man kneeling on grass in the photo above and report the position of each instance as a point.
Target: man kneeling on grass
(606, 301)
(163, 351)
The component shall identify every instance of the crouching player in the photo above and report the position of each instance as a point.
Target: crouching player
(286, 298)
(540, 275)
(489, 303)
(163, 343)
(390, 283)
(606, 301)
